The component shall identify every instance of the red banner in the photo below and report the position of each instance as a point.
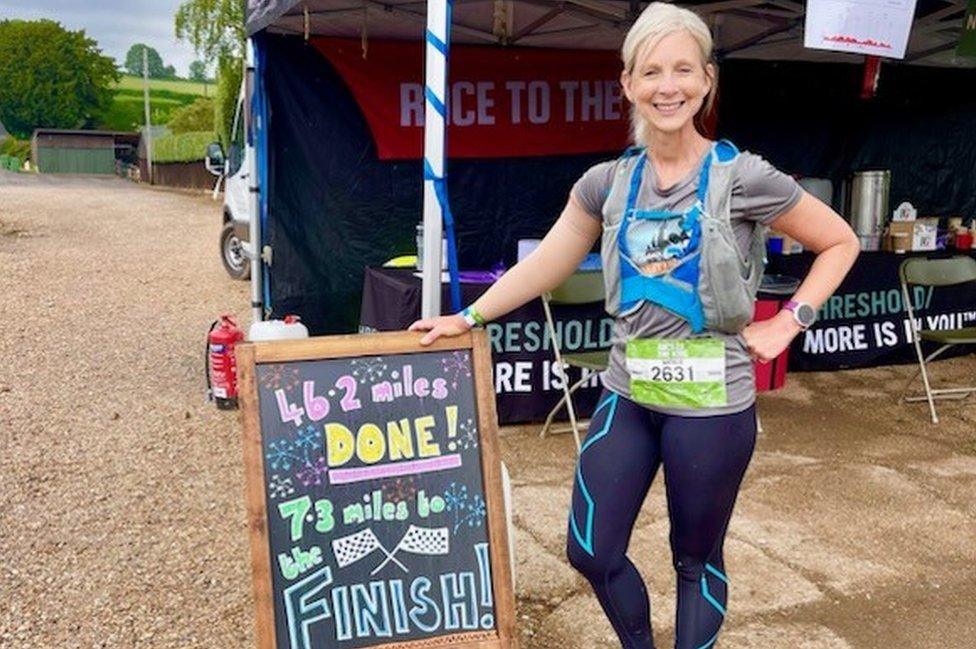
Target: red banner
(503, 102)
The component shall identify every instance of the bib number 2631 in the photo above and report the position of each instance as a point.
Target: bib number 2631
(678, 373)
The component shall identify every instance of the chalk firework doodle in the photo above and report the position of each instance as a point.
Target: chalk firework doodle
(278, 376)
(280, 487)
(469, 434)
(369, 369)
(403, 488)
(470, 511)
(298, 450)
(313, 473)
(456, 366)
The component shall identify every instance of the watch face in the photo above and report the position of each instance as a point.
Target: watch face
(806, 315)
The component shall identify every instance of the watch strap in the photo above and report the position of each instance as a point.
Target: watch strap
(794, 308)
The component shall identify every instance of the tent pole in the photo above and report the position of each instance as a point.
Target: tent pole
(434, 163)
(254, 199)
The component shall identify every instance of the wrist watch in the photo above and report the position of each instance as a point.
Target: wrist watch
(803, 313)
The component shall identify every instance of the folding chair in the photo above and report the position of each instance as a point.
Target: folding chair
(582, 287)
(936, 272)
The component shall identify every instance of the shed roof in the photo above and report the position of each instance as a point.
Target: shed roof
(81, 139)
(81, 132)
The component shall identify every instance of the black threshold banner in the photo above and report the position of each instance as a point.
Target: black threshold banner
(865, 323)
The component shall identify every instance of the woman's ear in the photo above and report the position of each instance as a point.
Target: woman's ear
(625, 84)
(709, 76)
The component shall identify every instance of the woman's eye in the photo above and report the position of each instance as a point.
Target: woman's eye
(650, 73)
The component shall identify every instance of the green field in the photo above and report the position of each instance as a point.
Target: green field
(179, 86)
(165, 96)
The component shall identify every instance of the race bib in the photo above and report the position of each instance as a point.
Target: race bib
(677, 373)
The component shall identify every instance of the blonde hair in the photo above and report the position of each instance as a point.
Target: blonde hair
(658, 20)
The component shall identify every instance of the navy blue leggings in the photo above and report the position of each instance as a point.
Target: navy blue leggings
(704, 460)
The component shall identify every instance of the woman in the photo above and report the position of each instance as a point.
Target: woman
(679, 389)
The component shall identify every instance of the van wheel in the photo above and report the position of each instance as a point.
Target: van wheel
(232, 254)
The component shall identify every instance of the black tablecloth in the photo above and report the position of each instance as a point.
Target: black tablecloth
(865, 324)
(526, 381)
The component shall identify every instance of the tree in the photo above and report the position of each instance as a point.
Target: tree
(195, 117)
(51, 77)
(198, 71)
(169, 72)
(229, 76)
(133, 61)
(215, 28)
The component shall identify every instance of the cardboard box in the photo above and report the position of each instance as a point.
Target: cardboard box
(921, 232)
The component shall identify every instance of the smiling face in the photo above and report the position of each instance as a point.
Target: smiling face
(669, 83)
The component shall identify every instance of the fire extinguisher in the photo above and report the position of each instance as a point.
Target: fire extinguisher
(221, 362)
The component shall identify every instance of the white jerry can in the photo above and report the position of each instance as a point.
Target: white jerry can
(288, 329)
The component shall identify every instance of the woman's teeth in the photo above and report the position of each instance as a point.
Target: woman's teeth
(669, 107)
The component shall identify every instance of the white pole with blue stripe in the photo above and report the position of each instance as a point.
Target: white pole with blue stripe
(436, 208)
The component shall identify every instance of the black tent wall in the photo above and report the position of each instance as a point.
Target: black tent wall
(335, 208)
(808, 119)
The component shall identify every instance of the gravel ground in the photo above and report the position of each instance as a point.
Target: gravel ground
(122, 519)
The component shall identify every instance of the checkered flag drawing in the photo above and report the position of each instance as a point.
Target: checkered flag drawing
(425, 540)
(428, 541)
(350, 549)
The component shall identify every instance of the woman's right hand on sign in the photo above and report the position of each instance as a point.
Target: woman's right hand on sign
(445, 325)
(559, 254)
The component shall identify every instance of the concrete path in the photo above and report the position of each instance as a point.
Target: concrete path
(856, 526)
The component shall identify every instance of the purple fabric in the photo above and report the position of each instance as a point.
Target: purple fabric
(482, 276)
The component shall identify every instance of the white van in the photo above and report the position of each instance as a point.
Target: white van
(236, 219)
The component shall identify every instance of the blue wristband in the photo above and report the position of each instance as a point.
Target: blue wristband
(472, 317)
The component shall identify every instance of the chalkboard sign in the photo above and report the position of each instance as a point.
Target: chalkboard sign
(374, 495)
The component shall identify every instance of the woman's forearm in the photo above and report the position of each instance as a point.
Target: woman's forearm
(824, 232)
(820, 229)
(827, 272)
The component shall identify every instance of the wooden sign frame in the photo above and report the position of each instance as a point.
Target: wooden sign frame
(250, 355)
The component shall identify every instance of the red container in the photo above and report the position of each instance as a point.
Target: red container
(964, 240)
(221, 361)
(771, 375)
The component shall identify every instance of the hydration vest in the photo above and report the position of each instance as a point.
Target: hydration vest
(687, 262)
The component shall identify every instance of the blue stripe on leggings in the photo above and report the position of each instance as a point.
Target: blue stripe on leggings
(612, 401)
(710, 642)
(710, 599)
(587, 542)
(708, 596)
(715, 571)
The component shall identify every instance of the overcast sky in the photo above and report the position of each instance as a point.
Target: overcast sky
(115, 24)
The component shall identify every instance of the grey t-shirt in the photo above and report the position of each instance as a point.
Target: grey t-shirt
(760, 193)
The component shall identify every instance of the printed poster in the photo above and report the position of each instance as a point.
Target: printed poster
(872, 27)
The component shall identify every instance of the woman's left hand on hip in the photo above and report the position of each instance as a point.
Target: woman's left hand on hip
(767, 339)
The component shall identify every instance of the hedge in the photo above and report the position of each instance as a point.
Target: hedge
(184, 147)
